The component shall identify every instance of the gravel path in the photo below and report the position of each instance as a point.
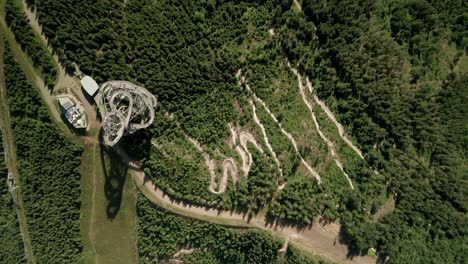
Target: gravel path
(245, 138)
(229, 169)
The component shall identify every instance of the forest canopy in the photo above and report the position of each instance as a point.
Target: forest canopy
(394, 73)
(48, 164)
(11, 241)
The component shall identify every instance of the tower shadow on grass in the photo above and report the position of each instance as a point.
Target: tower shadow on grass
(115, 174)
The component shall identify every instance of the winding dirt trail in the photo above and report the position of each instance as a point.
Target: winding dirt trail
(331, 145)
(229, 164)
(265, 139)
(229, 168)
(319, 239)
(233, 144)
(183, 251)
(332, 117)
(245, 138)
(298, 5)
(9, 150)
(245, 160)
(287, 134)
(91, 232)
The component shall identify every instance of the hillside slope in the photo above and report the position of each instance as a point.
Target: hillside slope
(295, 112)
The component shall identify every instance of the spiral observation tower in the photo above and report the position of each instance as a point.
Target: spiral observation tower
(125, 108)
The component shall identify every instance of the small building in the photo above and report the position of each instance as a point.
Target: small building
(72, 111)
(89, 85)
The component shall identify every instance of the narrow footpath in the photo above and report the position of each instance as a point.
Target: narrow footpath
(328, 142)
(106, 240)
(318, 239)
(243, 81)
(332, 117)
(10, 154)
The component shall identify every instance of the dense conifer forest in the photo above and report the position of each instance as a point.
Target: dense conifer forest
(393, 72)
(11, 242)
(162, 234)
(385, 67)
(29, 42)
(48, 164)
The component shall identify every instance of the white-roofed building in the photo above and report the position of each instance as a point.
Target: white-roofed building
(72, 111)
(90, 85)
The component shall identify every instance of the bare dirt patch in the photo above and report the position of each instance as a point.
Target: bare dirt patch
(386, 208)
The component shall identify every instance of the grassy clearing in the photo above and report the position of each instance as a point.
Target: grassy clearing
(108, 214)
(278, 87)
(87, 187)
(118, 235)
(110, 198)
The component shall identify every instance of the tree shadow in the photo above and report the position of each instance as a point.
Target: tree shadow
(276, 222)
(138, 146)
(91, 100)
(353, 249)
(88, 97)
(343, 238)
(115, 174)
